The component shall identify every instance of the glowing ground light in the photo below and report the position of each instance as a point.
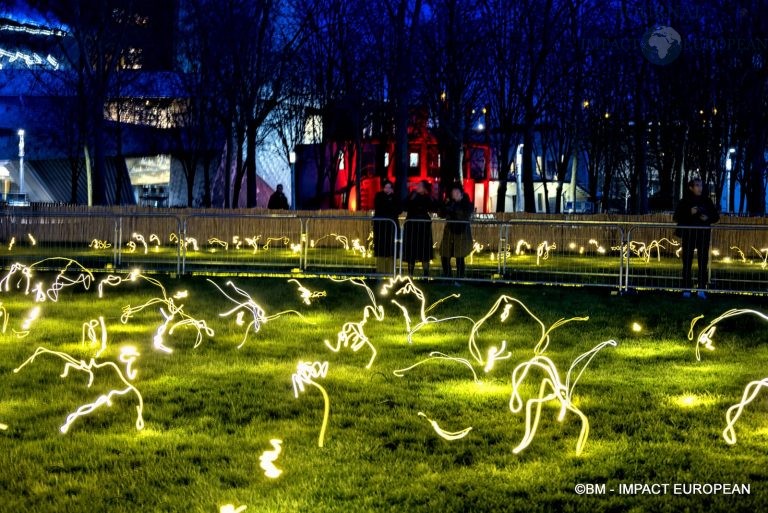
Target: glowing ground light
(456, 435)
(734, 412)
(11, 243)
(128, 355)
(230, 508)
(705, 335)
(404, 286)
(506, 304)
(435, 355)
(307, 295)
(268, 458)
(89, 368)
(154, 238)
(249, 305)
(636, 327)
(562, 392)
(31, 317)
(85, 277)
(306, 373)
(131, 246)
(521, 246)
(3, 427)
(341, 239)
(253, 242)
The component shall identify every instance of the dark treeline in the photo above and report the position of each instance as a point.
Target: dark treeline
(568, 79)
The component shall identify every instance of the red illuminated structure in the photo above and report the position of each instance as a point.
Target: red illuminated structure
(335, 187)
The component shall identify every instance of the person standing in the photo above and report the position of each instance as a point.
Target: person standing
(694, 215)
(417, 230)
(385, 227)
(278, 200)
(457, 234)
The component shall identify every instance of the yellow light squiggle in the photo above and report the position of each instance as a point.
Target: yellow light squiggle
(89, 331)
(352, 334)
(249, 305)
(88, 368)
(403, 286)
(435, 355)
(542, 251)
(562, 392)
(508, 302)
(455, 435)
(734, 412)
(305, 374)
(307, 295)
(268, 458)
(140, 239)
(706, 334)
(4, 315)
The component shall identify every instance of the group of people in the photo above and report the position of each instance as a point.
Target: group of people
(694, 215)
(417, 238)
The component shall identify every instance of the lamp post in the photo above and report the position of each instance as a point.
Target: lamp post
(21, 160)
(292, 161)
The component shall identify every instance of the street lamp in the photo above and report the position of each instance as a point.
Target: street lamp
(292, 161)
(21, 160)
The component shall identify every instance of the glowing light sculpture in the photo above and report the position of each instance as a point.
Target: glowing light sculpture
(131, 246)
(306, 373)
(352, 334)
(4, 315)
(403, 286)
(456, 435)
(307, 295)
(734, 412)
(89, 331)
(704, 339)
(89, 368)
(542, 251)
(32, 240)
(284, 240)
(99, 244)
(506, 304)
(519, 247)
(140, 239)
(562, 392)
(154, 238)
(742, 256)
(11, 243)
(253, 242)
(174, 318)
(763, 256)
(84, 277)
(436, 355)
(249, 305)
(218, 242)
(268, 458)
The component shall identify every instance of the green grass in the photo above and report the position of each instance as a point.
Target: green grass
(656, 414)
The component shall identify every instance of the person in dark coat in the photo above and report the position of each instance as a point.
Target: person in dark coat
(385, 227)
(457, 234)
(695, 210)
(278, 200)
(417, 230)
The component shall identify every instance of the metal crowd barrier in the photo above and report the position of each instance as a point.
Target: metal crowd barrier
(619, 255)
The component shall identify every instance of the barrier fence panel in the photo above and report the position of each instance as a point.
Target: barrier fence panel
(562, 252)
(339, 245)
(150, 241)
(28, 237)
(736, 257)
(243, 243)
(479, 242)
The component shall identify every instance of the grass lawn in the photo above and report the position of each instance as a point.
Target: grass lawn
(656, 414)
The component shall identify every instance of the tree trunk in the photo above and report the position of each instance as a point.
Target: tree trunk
(528, 186)
(250, 165)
